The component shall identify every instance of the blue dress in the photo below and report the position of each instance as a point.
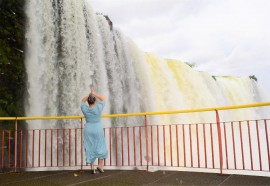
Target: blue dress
(94, 141)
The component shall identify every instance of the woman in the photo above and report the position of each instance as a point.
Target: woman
(94, 141)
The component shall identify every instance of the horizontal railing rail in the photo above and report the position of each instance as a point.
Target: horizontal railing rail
(142, 113)
(230, 145)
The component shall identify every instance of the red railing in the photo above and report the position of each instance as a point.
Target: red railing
(234, 145)
(221, 146)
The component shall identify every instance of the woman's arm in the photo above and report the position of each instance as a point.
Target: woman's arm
(85, 98)
(101, 98)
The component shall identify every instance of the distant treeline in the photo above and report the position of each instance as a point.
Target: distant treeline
(12, 69)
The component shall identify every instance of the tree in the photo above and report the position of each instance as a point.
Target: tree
(192, 65)
(253, 77)
(12, 69)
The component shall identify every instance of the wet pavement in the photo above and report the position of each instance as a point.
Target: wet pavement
(127, 177)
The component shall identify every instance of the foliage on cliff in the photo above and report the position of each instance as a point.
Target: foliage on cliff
(12, 70)
(253, 77)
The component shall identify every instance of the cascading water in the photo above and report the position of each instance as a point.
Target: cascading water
(177, 86)
(70, 48)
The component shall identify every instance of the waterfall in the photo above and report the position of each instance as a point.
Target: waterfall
(70, 48)
(178, 86)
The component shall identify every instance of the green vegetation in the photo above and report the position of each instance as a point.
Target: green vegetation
(214, 77)
(12, 70)
(192, 65)
(253, 77)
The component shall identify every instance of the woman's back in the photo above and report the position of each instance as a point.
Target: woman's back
(93, 115)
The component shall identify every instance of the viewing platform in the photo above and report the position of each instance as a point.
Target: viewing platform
(127, 177)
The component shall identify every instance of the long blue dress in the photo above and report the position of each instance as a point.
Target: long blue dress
(94, 141)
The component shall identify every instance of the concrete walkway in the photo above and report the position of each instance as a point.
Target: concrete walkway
(127, 177)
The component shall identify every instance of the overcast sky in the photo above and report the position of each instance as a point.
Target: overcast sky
(222, 37)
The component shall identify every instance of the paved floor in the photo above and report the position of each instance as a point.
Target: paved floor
(127, 177)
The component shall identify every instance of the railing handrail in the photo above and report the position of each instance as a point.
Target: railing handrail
(142, 113)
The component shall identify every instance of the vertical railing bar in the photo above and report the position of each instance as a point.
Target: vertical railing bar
(204, 139)
(146, 136)
(164, 142)
(3, 152)
(75, 147)
(212, 146)
(177, 145)
(57, 147)
(33, 148)
(63, 147)
(128, 147)
(81, 144)
(158, 144)
(184, 145)
(21, 146)
(267, 142)
(134, 145)
(9, 149)
(75, 142)
(226, 147)
(250, 146)
(116, 147)
(69, 146)
(45, 156)
(140, 133)
(110, 146)
(104, 131)
(15, 144)
(198, 146)
(39, 141)
(122, 141)
(242, 148)
(219, 142)
(26, 149)
(259, 146)
(233, 146)
(51, 147)
(171, 145)
(190, 145)
(152, 149)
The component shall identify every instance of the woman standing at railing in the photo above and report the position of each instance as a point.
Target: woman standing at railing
(94, 141)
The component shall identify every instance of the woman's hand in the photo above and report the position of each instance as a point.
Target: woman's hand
(101, 98)
(92, 91)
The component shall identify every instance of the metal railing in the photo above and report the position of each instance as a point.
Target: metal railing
(234, 145)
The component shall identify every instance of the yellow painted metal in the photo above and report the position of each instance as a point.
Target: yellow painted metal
(191, 110)
(41, 118)
(140, 113)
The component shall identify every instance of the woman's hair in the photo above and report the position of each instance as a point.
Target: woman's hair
(91, 99)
